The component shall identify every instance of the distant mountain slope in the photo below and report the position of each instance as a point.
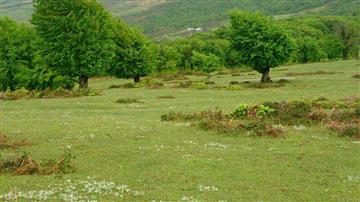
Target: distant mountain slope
(159, 17)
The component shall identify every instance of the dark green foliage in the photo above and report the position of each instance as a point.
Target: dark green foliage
(328, 37)
(17, 54)
(260, 42)
(76, 37)
(308, 50)
(134, 55)
(205, 63)
(20, 64)
(168, 58)
(332, 46)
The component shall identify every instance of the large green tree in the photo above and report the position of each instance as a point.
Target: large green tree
(134, 54)
(261, 43)
(76, 37)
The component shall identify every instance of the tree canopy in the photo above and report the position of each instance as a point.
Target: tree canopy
(134, 56)
(260, 42)
(76, 36)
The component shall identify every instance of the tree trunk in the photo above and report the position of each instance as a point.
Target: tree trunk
(266, 76)
(137, 79)
(345, 54)
(83, 82)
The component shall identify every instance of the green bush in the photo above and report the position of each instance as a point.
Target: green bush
(199, 85)
(240, 111)
(264, 111)
(205, 62)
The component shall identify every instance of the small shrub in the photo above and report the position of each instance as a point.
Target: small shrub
(129, 85)
(234, 87)
(174, 116)
(264, 85)
(310, 73)
(298, 108)
(234, 83)
(338, 115)
(351, 101)
(171, 116)
(356, 76)
(199, 85)
(25, 165)
(240, 111)
(167, 97)
(317, 115)
(185, 84)
(128, 101)
(349, 129)
(210, 83)
(264, 111)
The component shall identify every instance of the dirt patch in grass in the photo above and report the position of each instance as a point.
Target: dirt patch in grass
(129, 101)
(5, 143)
(167, 97)
(25, 165)
(311, 73)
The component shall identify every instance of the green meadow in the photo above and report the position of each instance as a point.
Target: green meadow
(118, 144)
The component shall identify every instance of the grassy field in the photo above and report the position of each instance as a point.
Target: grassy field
(160, 161)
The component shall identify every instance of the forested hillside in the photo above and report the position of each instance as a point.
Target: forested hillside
(160, 17)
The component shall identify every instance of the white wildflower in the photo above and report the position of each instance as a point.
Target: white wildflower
(300, 127)
(217, 146)
(203, 188)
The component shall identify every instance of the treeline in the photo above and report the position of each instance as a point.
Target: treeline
(70, 41)
(315, 39)
(66, 43)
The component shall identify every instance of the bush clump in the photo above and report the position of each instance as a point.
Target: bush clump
(259, 120)
(199, 85)
(25, 165)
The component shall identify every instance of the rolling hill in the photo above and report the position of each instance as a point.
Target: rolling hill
(161, 17)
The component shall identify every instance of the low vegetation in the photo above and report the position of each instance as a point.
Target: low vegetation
(128, 101)
(48, 93)
(25, 165)
(270, 118)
